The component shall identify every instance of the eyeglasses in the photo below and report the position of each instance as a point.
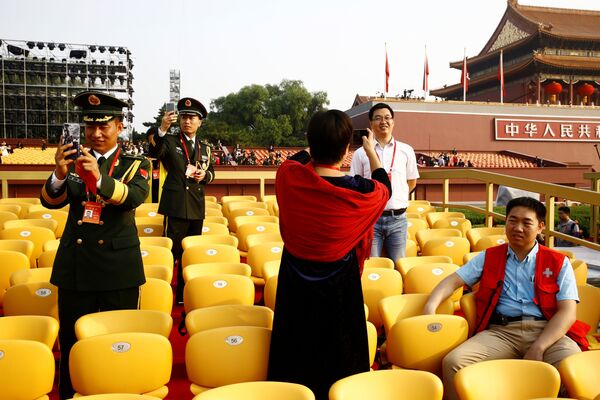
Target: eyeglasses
(379, 118)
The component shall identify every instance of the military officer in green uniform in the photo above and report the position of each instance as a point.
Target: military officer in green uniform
(98, 265)
(187, 161)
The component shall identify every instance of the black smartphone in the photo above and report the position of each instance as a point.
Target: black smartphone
(358, 135)
(71, 134)
(171, 107)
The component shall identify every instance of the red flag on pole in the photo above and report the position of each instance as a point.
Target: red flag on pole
(426, 75)
(387, 73)
(464, 77)
(501, 77)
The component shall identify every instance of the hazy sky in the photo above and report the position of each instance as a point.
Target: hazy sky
(336, 46)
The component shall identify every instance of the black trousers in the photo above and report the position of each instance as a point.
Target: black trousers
(73, 304)
(177, 229)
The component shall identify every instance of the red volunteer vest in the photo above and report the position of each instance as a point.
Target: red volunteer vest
(547, 267)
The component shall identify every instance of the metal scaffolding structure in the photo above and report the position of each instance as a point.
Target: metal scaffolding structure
(39, 80)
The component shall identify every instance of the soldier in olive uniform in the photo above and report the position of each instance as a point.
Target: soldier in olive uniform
(98, 266)
(187, 161)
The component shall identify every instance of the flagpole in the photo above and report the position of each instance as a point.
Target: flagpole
(387, 72)
(425, 76)
(464, 71)
(501, 77)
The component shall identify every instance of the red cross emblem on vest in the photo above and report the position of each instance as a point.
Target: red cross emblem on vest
(547, 272)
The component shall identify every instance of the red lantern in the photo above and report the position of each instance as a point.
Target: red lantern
(585, 90)
(553, 88)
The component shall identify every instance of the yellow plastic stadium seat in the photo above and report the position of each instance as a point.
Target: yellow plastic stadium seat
(11, 208)
(467, 306)
(195, 270)
(48, 245)
(372, 341)
(40, 328)
(253, 228)
(211, 199)
(147, 210)
(580, 268)
(258, 391)
(26, 200)
(424, 278)
(245, 212)
(228, 208)
(26, 370)
(116, 396)
(131, 362)
(401, 306)
(415, 225)
(159, 241)
(12, 261)
(411, 248)
(270, 292)
(20, 245)
(588, 311)
(120, 321)
(32, 298)
(512, 379)
(156, 255)
(490, 241)
(377, 284)
(212, 357)
(261, 253)
(35, 234)
(227, 199)
(162, 272)
(422, 342)
(580, 374)
(433, 217)
(7, 216)
(244, 219)
(415, 215)
(461, 224)
(216, 220)
(59, 216)
(210, 253)
(212, 228)
(413, 202)
(212, 205)
(469, 256)
(149, 230)
(30, 275)
(156, 294)
(391, 384)
(46, 259)
(214, 290)
(24, 207)
(258, 238)
(424, 236)
(405, 264)
(453, 247)
(420, 209)
(379, 262)
(203, 319)
(24, 223)
(191, 241)
(567, 253)
(475, 234)
(270, 269)
(212, 212)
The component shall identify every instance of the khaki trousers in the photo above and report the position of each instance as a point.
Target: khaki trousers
(502, 342)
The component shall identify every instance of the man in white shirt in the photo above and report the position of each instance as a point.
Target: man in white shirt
(399, 161)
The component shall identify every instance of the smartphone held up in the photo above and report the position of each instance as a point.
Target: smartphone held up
(71, 134)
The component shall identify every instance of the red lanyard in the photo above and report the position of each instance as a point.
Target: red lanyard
(187, 155)
(393, 159)
(327, 166)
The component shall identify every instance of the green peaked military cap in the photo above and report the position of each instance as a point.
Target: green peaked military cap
(98, 106)
(188, 105)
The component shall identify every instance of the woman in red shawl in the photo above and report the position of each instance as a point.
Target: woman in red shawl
(326, 220)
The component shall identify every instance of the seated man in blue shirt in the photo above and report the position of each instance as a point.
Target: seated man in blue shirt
(514, 279)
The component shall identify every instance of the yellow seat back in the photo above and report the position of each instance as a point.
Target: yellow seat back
(245, 212)
(401, 306)
(580, 374)
(490, 241)
(391, 384)
(210, 199)
(226, 239)
(271, 268)
(261, 253)
(405, 264)
(461, 224)
(147, 210)
(580, 269)
(512, 379)
(469, 256)
(213, 290)
(32, 298)
(12, 261)
(468, 307)
(203, 319)
(379, 283)
(588, 308)
(195, 270)
(433, 217)
(36, 234)
(420, 209)
(415, 225)
(59, 216)
(46, 259)
(227, 199)
(252, 228)
(213, 357)
(40, 328)
(453, 247)
(156, 294)
(131, 362)
(411, 248)
(210, 253)
(146, 229)
(422, 342)
(212, 212)
(49, 245)
(163, 272)
(26, 370)
(25, 200)
(212, 228)
(424, 236)
(159, 241)
(244, 219)
(216, 220)
(156, 255)
(474, 234)
(379, 262)
(7, 216)
(120, 321)
(24, 223)
(259, 391)
(424, 278)
(270, 291)
(30, 275)
(11, 208)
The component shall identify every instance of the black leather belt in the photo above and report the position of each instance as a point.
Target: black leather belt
(399, 211)
(500, 319)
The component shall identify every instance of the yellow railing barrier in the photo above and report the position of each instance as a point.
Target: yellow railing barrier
(549, 191)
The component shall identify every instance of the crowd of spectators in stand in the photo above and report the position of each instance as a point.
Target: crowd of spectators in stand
(6, 149)
(135, 149)
(445, 160)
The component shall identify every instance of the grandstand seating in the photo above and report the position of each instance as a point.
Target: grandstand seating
(258, 391)
(377, 284)
(203, 319)
(121, 321)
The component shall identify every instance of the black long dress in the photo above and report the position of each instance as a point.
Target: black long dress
(319, 331)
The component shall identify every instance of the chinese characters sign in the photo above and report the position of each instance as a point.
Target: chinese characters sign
(547, 130)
